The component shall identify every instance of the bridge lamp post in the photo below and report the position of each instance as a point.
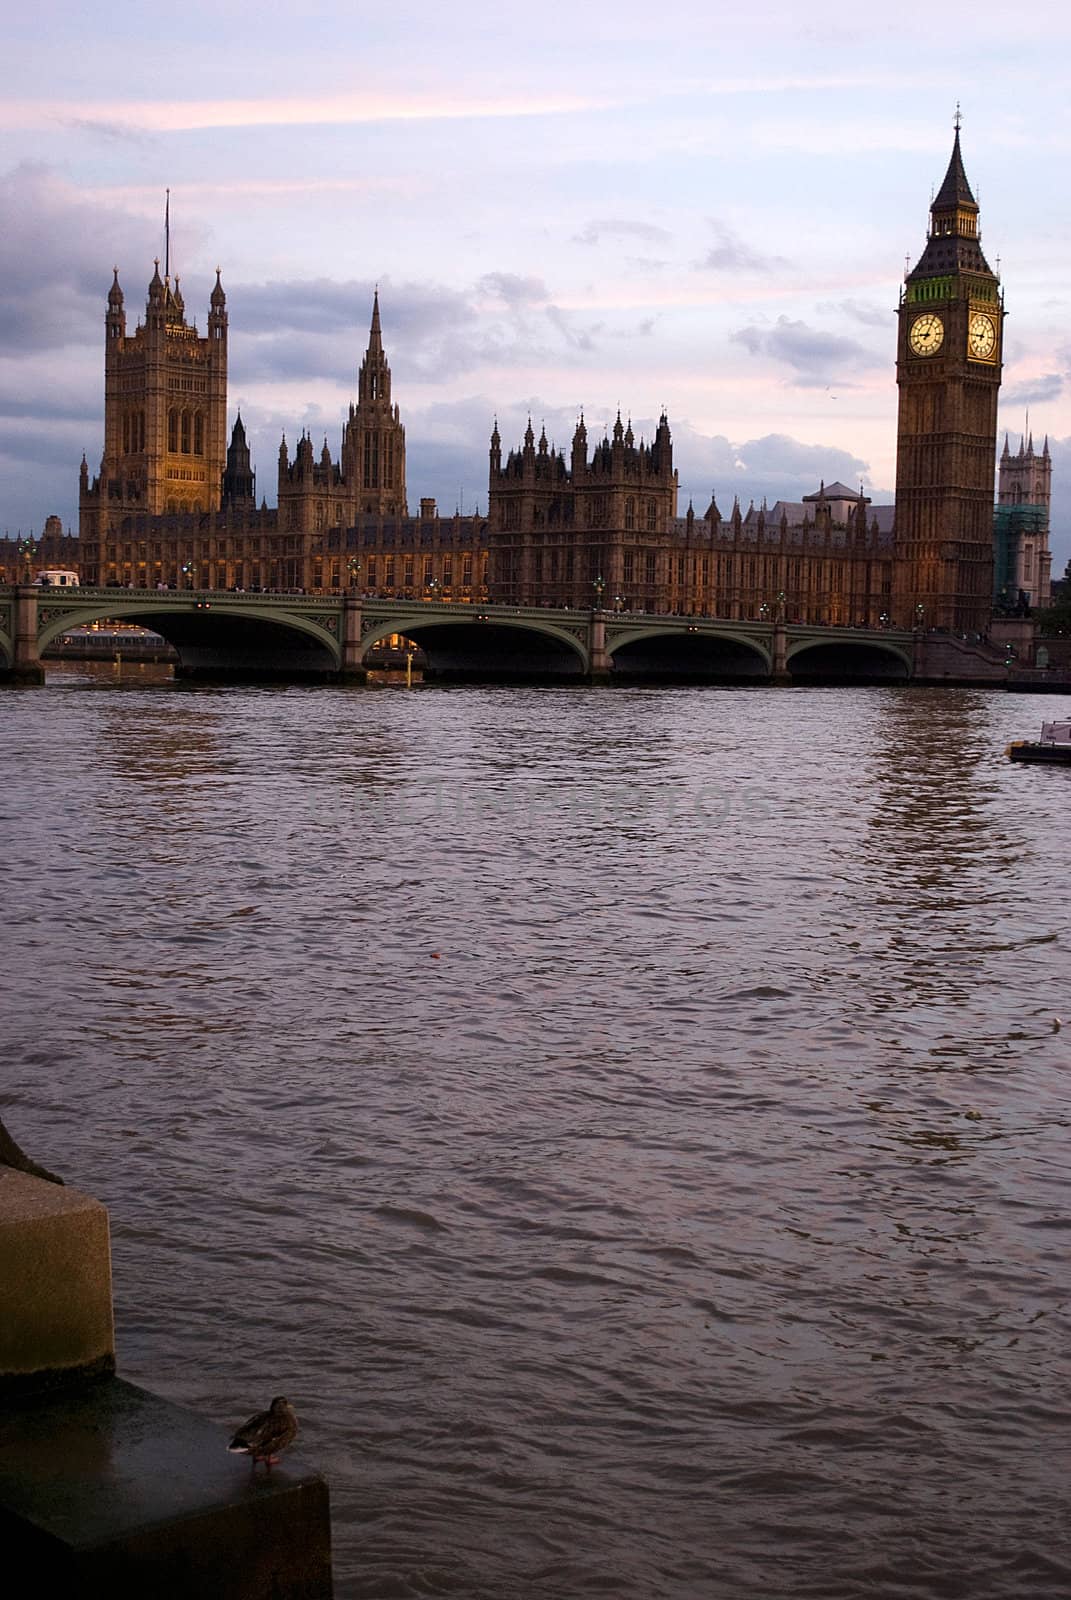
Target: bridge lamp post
(883, 620)
(599, 585)
(619, 601)
(354, 566)
(920, 615)
(781, 605)
(764, 611)
(27, 549)
(433, 588)
(187, 570)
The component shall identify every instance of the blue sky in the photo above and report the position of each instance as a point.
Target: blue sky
(700, 207)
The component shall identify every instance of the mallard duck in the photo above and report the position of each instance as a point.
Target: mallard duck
(266, 1436)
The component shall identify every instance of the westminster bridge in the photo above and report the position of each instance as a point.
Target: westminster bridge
(219, 633)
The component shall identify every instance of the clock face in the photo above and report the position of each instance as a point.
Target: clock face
(981, 336)
(927, 334)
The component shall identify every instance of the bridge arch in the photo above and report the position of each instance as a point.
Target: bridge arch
(211, 635)
(848, 660)
(468, 642)
(687, 652)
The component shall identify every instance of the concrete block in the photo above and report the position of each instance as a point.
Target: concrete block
(108, 1492)
(55, 1284)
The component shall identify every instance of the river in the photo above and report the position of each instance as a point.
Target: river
(631, 1125)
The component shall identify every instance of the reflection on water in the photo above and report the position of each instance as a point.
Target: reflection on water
(631, 1124)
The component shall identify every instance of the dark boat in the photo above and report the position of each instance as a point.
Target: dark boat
(1054, 746)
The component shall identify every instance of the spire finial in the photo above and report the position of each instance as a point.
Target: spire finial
(958, 123)
(167, 233)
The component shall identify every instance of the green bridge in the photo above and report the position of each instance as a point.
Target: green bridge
(220, 633)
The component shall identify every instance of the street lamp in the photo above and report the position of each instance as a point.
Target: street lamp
(920, 613)
(764, 611)
(433, 588)
(781, 605)
(187, 569)
(599, 585)
(27, 549)
(619, 601)
(354, 566)
(883, 620)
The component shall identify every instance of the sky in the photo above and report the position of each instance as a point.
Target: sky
(701, 207)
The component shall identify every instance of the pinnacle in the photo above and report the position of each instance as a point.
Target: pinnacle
(955, 190)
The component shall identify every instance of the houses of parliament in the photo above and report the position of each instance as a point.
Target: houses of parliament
(174, 502)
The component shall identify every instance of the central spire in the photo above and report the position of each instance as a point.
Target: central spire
(373, 380)
(373, 445)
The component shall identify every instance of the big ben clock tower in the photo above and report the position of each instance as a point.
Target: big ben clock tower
(948, 371)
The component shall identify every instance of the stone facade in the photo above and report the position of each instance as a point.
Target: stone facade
(603, 529)
(597, 527)
(165, 411)
(53, 548)
(338, 524)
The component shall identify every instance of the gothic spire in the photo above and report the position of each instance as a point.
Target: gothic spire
(955, 190)
(952, 244)
(373, 380)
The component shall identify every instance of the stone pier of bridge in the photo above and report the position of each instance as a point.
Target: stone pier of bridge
(353, 669)
(26, 662)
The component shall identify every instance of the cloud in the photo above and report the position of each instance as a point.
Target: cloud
(55, 252)
(357, 106)
(1032, 391)
(621, 228)
(870, 316)
(774, 465)
(112, 132)
(317, 328)
(816, 357)
(514, 289)
(329, 306)
(576, 338)
(731, 254)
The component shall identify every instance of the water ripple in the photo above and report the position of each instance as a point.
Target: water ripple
(633, 1126)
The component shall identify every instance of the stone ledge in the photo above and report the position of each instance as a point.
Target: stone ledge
(111, 1493)
(55, 1267)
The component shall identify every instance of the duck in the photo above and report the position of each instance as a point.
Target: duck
(266, 1435)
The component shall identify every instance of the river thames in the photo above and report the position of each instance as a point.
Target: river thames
(631, 1125)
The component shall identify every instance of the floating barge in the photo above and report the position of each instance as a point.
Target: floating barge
(1054, 746)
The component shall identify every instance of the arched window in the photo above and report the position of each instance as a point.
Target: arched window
(172, 430)
(185, 433)
(630, 513)
(126, 433)
(198, 433)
